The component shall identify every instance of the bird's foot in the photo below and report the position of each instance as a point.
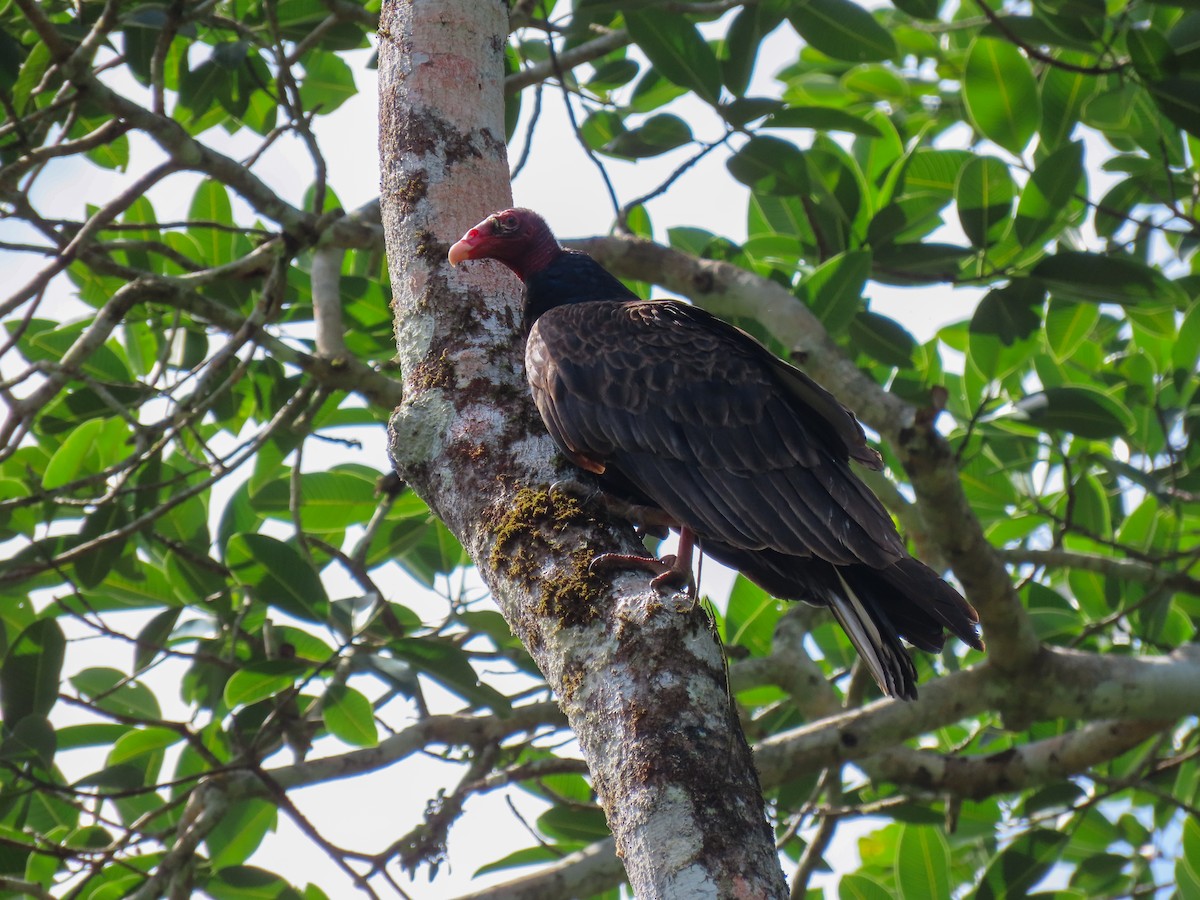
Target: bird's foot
(647, 520)
(671, 573)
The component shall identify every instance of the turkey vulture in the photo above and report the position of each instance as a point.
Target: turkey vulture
(702, 427)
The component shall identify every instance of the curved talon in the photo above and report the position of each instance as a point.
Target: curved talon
(569, 487)
(659, 532)
(647, 519)
(626, 561)
(671, 573)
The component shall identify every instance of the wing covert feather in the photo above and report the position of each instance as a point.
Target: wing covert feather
(696, 415)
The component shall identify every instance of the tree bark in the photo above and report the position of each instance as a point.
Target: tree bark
(640, 677)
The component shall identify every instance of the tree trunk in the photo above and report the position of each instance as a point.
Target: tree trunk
(639, 676)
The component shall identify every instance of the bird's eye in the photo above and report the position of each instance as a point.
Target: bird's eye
(508, 223)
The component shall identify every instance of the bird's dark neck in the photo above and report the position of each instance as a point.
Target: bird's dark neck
(570, 277)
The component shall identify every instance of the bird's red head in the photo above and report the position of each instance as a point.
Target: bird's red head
(519, 238)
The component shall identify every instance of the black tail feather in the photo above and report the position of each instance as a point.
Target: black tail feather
(875, 607)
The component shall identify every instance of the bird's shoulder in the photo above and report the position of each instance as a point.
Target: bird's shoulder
(675, 348)
(636, 334)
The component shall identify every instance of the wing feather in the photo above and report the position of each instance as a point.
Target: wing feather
(697, 416)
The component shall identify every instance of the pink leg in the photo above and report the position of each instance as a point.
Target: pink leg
(672, 572)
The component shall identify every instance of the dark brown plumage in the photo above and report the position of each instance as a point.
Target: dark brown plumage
(690, 417)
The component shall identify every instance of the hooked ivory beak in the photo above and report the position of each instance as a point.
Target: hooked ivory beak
(465, 248)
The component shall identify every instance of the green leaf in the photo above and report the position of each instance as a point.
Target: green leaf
(877, 82)
(212, 212)
(1052, 617)
(1021, 864)
(652, 91)
(1117, 204)
(261, 681)
(278, 575)
(770, 166)
(1187, 866)
(1001, 94)
(918, 9)
(113, 691)
(198, 88)
(32, 70)
(32, 669)
(112, 154)
(991, 359)
(1080, 410)
(423, 546)
(842, 30)
(447, 663)
(934, 172)
(153, 638)
(578, 823)
(601, 127)
(751, 617)
(68, 462)
(1090, 508)
(1088, 590)
(348, 716)
(984, 195)
(330, 501)
(1012, 312)
(144, 586)
(905, 264)
(857, 886)
(746, 109)
(297, 17)
(11, 55)
(834, 289)
(32, 738)
(922, 863)
(740, 48)
(657, 135)
(1185, 354)
(194, 581)
(1049, 191)
(239, 832)
(92, 568)
(610, 75)
(883, 339)
(1063, 95)
(248, 883)
(1179, 99)
(1068, 325)
(142, 742)
(822, 118)
(328, 82)
(1151, 53)
(529, 856)
(1101, 278)
(674, 45)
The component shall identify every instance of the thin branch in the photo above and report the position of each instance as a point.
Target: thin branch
(567, 60)
(452, 730)
(1019, 768)
(326, 275)
(1109, 566)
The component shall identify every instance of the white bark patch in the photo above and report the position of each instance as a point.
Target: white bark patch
(418, 428)
(692, 881)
